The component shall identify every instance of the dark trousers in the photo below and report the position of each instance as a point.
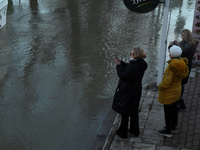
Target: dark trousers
(181, 104)
(182, 90)
(134, 125)
(171, 116)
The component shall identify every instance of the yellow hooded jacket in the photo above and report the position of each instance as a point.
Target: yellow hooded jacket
(170, 86)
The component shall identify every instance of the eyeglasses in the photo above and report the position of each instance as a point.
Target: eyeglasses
(131, 54)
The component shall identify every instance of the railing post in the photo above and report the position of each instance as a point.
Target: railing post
(163, 45)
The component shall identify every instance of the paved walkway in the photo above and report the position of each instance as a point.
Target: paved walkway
(152, 119)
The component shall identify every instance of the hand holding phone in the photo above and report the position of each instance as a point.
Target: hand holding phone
(117, 61)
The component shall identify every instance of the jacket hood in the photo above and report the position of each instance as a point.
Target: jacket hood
(179, 67)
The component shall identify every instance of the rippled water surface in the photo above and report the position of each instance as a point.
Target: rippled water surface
(57, 75)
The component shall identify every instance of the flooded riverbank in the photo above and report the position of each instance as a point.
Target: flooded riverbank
(57, 70)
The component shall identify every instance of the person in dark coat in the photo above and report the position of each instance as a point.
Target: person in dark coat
(188, 46)
(129, 90)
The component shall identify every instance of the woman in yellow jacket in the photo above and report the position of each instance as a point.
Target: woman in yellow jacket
(170, 89)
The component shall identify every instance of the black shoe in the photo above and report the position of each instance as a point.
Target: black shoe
(124, 136)
(165, 133)
(174, 131)
(133, 133)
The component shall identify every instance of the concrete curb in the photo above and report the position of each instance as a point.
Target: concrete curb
(112, 133)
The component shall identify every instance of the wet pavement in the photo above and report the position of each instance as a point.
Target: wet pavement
(152, 119)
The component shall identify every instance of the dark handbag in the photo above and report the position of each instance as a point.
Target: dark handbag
(121, 102)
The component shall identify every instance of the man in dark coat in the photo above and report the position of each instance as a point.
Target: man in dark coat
(128, 93)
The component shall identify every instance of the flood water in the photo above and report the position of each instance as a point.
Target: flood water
(57, 75)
